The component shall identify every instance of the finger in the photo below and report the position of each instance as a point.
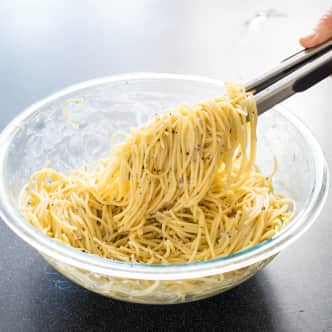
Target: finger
(309, 40)
(322, 32)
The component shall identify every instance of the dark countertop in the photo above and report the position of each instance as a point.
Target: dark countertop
(51, 44)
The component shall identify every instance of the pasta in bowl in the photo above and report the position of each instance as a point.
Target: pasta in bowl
(153, 221)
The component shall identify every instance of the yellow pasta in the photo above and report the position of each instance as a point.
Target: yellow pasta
(181, 188)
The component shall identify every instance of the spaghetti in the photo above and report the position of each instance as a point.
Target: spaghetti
(182, 188)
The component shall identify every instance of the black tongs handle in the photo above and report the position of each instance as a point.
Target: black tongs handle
(316, 75)
(295, 74)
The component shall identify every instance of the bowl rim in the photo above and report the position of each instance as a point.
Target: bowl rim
(71, 256)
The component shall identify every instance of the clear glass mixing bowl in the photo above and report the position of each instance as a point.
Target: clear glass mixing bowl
(41, 134)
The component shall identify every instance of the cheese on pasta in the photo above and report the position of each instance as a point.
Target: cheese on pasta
(181, 188)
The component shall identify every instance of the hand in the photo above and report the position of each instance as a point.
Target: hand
(321, 33)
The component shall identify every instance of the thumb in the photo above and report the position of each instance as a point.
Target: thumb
(321, 33)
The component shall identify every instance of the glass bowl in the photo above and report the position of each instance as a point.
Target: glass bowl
(42, 134)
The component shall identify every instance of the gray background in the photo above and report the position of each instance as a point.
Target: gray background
(46, 45)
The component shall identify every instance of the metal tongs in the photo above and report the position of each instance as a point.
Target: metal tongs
(295, 74)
